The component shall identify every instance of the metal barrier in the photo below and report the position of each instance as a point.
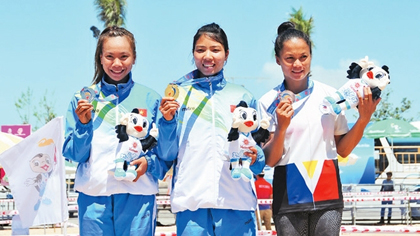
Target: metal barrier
(354, 202)
(357, 201)
(406, 198)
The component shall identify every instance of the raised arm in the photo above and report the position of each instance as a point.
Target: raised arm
(274, 147)
(367, 106)
(79, 131)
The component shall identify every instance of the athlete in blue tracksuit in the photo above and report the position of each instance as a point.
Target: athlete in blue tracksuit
(93, 146)
(108, 206)
(205, 197)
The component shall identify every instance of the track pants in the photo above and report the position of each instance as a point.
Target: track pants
(118, 214)
(216, 222)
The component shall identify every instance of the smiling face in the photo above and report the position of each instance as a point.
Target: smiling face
(248, 118)
(41, 163)
(209, 55)
(137, 125)
(117, 57)
(295, 60)
(375, 77)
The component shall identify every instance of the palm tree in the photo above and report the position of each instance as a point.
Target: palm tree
(306, 26)
(96, 32)
(112, 12)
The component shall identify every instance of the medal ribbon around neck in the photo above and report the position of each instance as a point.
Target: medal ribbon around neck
(191, 78)
(272, 108)
(91, 94)
(95, 96)
(173, 91)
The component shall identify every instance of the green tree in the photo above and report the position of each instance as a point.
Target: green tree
(306, 26)
(43, 113)
(386, 110)
(111, 12)
(23, 106)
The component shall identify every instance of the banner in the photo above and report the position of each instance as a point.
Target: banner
(36, 170)
(22, 131)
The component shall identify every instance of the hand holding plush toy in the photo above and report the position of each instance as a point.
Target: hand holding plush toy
(361, 75)
(131, 131)
(240, 139)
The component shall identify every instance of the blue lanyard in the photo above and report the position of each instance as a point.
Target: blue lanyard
(191, 78)
(97, 94)
(272, 108)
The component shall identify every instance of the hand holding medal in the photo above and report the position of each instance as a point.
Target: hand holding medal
(90, 94)
(169, 105)
(287, 95)
(172, 91)
(84, 106)
(284, 109)
(87, 94)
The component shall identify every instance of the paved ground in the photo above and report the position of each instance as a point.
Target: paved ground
(168, 219)
(162, 229)
(70, 231)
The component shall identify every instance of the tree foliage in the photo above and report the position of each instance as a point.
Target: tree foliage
(42, 113)
(111, 12)
(23, 106)
(298, 18)
(386, 110)
(45, 112)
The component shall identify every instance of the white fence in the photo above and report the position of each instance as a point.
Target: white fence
(360, 206)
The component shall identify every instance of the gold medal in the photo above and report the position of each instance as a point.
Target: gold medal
(172, 91)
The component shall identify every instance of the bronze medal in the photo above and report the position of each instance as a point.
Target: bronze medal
(287, 95)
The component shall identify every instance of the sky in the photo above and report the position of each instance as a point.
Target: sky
(47, 45)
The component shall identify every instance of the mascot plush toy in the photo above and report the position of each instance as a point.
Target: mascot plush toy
(240, 139)
(131, 132)
(363, 74)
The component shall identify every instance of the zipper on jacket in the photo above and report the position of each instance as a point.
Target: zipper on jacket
(212, 110)
(213, 134)
(117, 119)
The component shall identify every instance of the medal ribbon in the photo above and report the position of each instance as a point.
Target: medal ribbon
(191, 78)
(272, 108)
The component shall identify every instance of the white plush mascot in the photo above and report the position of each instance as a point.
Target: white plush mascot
(240, 139)
(131, 132)
(363, 74)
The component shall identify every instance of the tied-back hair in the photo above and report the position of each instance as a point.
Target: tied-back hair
(286, 31)
(213, 31)
(111, 31)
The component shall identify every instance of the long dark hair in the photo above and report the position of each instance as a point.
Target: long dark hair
(214, 31)
(111, 31)
(287, 31)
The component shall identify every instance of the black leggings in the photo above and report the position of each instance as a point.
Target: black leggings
(313, 223)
